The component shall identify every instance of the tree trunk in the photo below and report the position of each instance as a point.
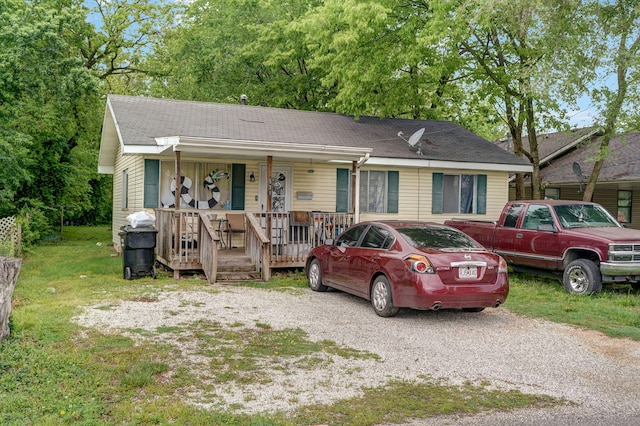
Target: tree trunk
(9, 270)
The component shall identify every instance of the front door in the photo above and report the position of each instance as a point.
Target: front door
(281, 188)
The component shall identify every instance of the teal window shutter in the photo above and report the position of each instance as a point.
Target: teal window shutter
(151, 183)
(342, 190)
(393, 189)
(237, 186)
(437, 193)
(481, 195)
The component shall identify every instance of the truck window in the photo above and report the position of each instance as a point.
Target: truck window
(512, 215)
(536, 215)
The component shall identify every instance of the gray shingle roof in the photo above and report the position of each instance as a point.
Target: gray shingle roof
(140, 120)
(623, 162)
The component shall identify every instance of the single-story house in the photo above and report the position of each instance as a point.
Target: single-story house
(566, 162)
(258, 161)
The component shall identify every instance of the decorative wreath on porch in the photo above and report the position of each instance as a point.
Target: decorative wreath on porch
(210, 182)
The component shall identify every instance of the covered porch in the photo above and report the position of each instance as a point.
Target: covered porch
(197, 240)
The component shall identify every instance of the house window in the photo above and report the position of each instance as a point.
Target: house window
(378, 191)
(125, 189)
(459, 193)
(552, 193)
(624, 206)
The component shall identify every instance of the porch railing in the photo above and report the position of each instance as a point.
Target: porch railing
(257, 245)
(209, 248)
(188, 240)
(293, 234)
(329, 225)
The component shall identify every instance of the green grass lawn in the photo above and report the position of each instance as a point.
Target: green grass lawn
(53, 372)
(615, 311)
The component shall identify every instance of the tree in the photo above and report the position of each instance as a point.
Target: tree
(615, 43)
(381, 59)
(117, 36)
(509, 48)
(49, 110)
(225, 48)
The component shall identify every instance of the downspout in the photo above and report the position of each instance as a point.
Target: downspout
(356, 198)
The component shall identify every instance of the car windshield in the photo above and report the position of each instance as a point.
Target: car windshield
(584, 215)
(438, 238)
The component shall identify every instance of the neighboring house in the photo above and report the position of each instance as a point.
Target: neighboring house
(318, 162)
(566, 162)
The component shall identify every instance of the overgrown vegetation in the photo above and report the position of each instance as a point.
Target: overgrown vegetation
(54, 372)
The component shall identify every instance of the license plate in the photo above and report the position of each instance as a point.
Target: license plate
(468, 272)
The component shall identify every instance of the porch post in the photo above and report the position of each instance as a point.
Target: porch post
(355, 193)
(268, 181)
(176, 215)
(178, 182)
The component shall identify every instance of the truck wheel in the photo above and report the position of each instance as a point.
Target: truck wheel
(582, 276)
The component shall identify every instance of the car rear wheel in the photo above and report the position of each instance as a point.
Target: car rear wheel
(582, 277)
(381, 298)
(315, 276)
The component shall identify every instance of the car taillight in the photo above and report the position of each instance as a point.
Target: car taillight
(502, 265)
(420, 264)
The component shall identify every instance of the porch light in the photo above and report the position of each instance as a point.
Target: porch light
(252, 177)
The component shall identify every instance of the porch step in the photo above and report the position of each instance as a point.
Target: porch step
(237, 268)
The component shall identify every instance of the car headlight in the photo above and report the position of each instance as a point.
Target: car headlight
(419, 264)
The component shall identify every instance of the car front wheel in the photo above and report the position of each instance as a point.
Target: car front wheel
(315, 276)
(381, 298)
(582, 276)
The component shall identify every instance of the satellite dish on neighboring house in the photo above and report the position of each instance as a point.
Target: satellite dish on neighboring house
(577, 170)
(414, 139)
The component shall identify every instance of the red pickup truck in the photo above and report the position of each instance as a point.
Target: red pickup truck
(578, 239)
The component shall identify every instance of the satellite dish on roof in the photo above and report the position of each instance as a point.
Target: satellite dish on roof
(414, 139)
(577, 170)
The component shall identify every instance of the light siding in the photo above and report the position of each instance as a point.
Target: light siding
(135, 167)
(414, 195)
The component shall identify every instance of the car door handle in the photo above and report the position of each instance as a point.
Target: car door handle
(518, 235)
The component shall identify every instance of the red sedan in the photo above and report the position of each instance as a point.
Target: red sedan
(419, 265)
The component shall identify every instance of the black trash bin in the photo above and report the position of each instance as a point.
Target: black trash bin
(138, 251)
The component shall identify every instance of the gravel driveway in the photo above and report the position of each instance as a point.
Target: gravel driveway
(600, 376)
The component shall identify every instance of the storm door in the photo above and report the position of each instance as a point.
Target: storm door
(281, 188)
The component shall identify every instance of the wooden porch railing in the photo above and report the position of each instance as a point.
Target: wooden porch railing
(209, 249)
(188, 240)
(257, 246)
(293, 234)
(329, 225)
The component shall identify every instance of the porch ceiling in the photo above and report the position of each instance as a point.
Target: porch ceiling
(256, 150)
